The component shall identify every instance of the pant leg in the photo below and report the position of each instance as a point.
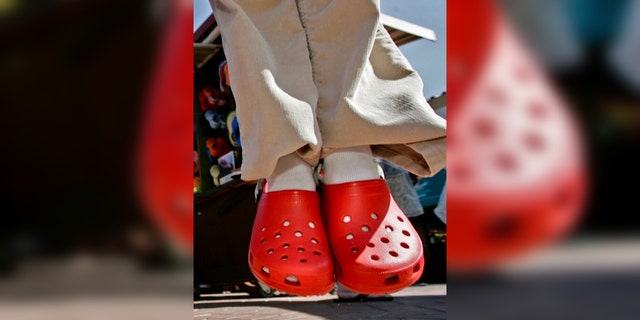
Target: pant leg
(368, 93)
(271, 76)
(312, 74)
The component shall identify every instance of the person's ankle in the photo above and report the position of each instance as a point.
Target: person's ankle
(291, 173)
(349, 165)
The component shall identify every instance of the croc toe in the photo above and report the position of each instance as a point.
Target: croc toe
(289, 250)
(376, 249)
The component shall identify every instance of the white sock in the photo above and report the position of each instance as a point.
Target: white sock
(350, 164)
(291, 173)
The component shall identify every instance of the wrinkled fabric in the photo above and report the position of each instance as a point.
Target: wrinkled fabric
(312, 76)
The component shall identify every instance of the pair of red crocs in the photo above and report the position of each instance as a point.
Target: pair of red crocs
(362, 240)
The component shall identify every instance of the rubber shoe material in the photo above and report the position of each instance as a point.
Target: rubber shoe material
(289, 250)
(376, 249)
(517, 177)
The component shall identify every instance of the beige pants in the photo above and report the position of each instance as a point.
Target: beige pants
(312, 76)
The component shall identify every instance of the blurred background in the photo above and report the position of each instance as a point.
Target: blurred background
(77, 239)
(581, 59)
(78, 83)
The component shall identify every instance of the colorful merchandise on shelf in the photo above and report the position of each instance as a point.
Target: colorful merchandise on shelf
(215, 119)
(217, 134)
(211, 99)
(223, 74)
(234, 129)
(217, 146)
(196, 184)
(196, 167)
(214, 170)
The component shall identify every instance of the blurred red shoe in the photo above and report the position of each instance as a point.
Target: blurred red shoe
(289, 250)
(165, 146)
(516, 173)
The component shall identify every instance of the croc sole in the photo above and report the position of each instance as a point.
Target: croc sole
(289, 250)
(376, 248)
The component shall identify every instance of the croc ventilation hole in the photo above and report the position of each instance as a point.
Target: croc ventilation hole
(404, 245)
(537, 110)
(534, 142)
(384, 240)
(460, 171)
(314, 241)
(374, 216)
(416, 268)
(346, 219)
(265, 271)
(388, 228)
(503, 226)
(365, 228)
(312, 225)
(484, 129)
(286, 223)
(406, 233)
(391, 280)
(291, 280)
(349, 236)
(298, 234)
(400, 219)
(506, 162)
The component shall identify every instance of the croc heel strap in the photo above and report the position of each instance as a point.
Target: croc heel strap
(376, 249)
(289, 250)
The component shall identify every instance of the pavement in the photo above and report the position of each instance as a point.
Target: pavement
(586, 278)
(420, 301)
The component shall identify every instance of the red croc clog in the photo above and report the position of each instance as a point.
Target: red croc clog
(289, 250)
(376, 249)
